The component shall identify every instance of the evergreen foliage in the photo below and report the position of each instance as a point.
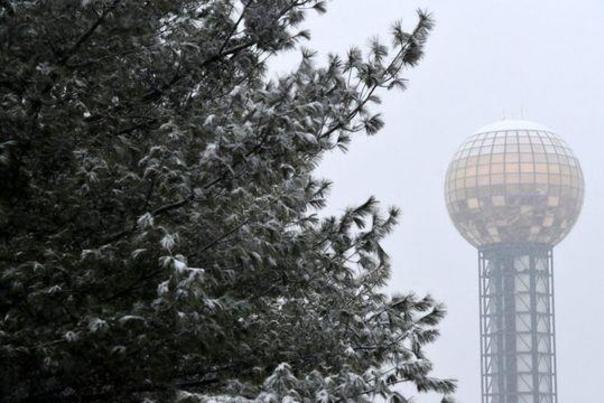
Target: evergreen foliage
(159, 229)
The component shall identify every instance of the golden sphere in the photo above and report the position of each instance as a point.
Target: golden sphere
(514, 182)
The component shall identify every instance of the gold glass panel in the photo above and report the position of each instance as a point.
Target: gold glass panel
(484, 169)
(527, 178)
(574, 181)
(497, 179)
(472, 160)
(483, 180)
(525, 148)
(512, 168)
(511, 148)
(471, 170)
(473, 203)
(498, 201)
(497, 158)
(497, 168)
(540, 157)
(513, 157)
(484, 159)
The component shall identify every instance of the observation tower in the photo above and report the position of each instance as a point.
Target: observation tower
(514, 190)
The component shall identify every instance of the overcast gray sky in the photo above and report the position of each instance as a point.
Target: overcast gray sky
(541, 60)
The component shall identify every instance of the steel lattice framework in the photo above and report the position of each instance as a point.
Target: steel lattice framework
(517, 324)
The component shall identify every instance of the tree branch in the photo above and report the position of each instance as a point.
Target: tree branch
(86, 35)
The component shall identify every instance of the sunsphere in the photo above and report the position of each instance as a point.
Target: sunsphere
(514, 182)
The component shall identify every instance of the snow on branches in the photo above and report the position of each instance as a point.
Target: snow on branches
(160, 237)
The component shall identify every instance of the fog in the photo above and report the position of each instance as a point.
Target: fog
(486, 60)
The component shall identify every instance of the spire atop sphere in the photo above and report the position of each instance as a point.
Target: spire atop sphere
(512, 124)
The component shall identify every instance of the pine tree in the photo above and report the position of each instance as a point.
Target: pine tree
(160, 236)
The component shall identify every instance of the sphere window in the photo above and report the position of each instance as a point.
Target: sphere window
(473, 203)
(512, 157)
(512, 168)
(511, 148)
(497, 168)
(483, 169)
(483, 181)
(497, 158)
(497, 180)
(527, 178)
(471, 170)
(498, 201)
(540, 157)
(527, 168)
(472, 160)
(484, 159)
(525, 148)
